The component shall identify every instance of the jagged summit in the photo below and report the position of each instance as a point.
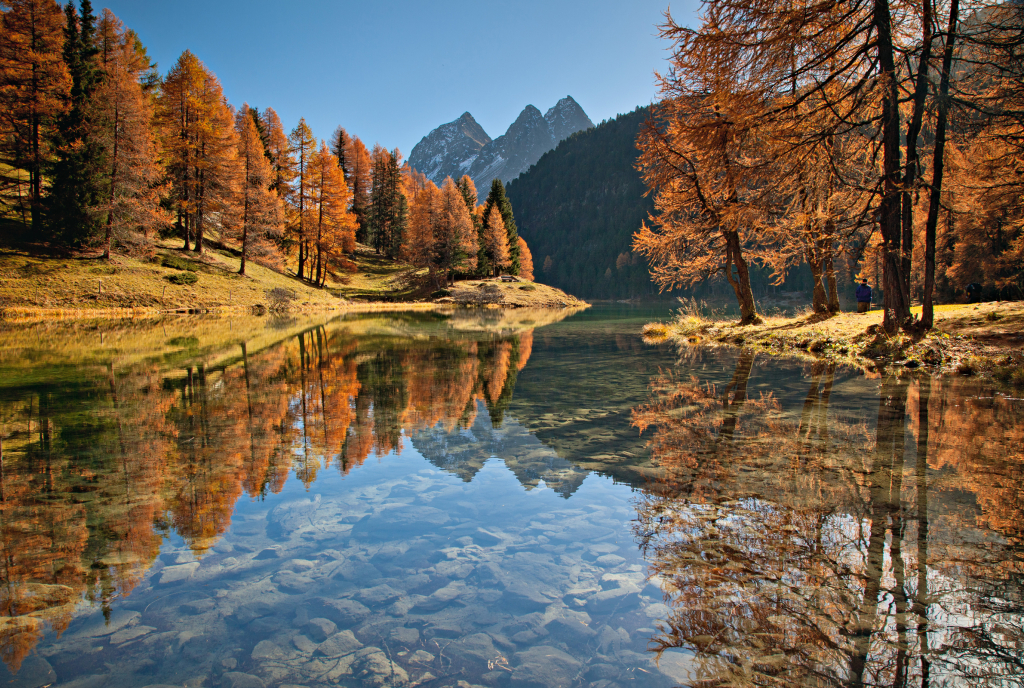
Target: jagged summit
(463, 147)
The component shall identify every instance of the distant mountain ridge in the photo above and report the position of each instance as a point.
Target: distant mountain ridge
(463, 147)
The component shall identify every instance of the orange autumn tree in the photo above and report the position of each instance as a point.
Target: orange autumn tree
(257, 217)
(453, 244)
(358, 169)
(121, 124)
(279, 152)
(198, 137)
(335, 227)
(525, 261)
(300, 195)
(496, 240)
(34, 88)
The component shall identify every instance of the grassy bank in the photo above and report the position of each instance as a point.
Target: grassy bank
(972, 339)
(36, 286)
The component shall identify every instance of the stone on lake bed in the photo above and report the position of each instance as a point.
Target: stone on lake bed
(303, 644)
(477, 649)
(130, 633)
(292, 583)
(610, 560)
(404, 635)
(268, 649)
(344, 612)
(338, 645)
(373, 668)
(35, 672)
(544, 666)
(176, 574)
(100, 627)
(421, 657)
(319, 629)
(268, 553)
(236, 679)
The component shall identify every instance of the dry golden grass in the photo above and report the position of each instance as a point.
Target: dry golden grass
(38, 288)
(988, 334)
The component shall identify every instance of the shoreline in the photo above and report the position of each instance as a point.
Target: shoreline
(984, 340)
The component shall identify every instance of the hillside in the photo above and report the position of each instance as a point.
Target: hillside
(36, 285)
(579, 206)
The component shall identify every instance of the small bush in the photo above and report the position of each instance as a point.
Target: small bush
(104, 270)
(993, 316)
(441, 293)
(972, 365)
(183, 278)
(184, 342)
(817, 345)
(178, 263)
(528, 287)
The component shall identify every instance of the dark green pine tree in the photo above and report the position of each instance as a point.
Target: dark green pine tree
(77, 169)
(388, 212)
(497, 197)
(339, 144)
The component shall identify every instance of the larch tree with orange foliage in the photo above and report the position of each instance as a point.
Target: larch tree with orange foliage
(198, 137)
(300, 196)
(257, 217)
(358, 178)
(34, 87)
(335, 233)
(279, 151)
(120, 120)
(496, 241)
(525, 261)
(453, 238)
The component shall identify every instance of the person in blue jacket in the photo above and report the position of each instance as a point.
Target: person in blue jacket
(863, 296)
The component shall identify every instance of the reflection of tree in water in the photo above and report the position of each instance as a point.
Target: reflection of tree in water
(787, 552)
(94, 471)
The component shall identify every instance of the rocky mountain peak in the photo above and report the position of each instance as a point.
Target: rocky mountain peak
(566, 117)
(463, 147)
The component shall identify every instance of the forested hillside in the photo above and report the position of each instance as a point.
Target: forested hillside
(578, 207)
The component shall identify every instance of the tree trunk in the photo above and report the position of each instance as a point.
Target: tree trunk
(927, 309)
(912, 171)
(741, 282)
(830, 275)
(897, 308)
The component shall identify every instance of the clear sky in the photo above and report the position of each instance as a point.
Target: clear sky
(389, 71)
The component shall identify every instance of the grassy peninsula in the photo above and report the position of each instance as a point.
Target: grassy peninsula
(968, 339)
(36, 285)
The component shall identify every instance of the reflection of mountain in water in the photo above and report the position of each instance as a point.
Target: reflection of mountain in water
(464, 452)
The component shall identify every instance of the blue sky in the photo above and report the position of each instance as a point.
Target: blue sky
(389, 71)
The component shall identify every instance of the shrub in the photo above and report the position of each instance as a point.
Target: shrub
(178, 263)
(528, 287)
(993, 316)
(183, 278)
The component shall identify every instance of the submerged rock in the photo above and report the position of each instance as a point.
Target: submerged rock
(339, 644)
(236, 679)
(373, 668)
(544, 666)
(35, 672)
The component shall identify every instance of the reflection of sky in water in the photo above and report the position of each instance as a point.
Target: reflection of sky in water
(362, 508)
(442, 575)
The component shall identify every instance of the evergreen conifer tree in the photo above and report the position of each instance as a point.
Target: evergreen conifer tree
(497, 197)
(75, 189)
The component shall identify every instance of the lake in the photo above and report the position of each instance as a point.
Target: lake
(495, 498)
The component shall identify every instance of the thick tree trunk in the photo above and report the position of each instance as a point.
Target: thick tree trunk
(897, 307)
(912, 170)
(927, 309)
(741, 281)
(819, 302)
